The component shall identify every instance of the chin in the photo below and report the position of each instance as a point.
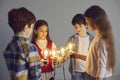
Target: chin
(43, 38)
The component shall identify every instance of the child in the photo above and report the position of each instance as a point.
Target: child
(101, 57)
(42, 40)
(82, 40)
(21, 56)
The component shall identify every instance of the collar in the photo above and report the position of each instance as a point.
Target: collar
(19, 38)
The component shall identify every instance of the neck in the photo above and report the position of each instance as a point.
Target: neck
(21, 34)
(41, 39)
(83, 35)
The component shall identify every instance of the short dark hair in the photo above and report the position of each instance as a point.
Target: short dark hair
(18, 18)
(78, 19)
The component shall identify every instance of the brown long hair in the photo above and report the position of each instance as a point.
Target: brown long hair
(38, 24)
(99, 17)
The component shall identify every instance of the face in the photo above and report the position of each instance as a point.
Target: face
(90, 24)
(80, 28)
(41, 32)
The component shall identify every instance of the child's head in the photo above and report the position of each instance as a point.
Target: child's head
(19, 18)
(96, 16)
(78, 19)
(40, 31)
(79, 23)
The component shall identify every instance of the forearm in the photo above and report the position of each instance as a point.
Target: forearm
(78, 56)
(98, 78)
(83, 57)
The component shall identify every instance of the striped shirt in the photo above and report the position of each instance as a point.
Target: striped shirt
(22, 60)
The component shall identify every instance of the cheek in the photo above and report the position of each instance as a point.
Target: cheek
(46, 34)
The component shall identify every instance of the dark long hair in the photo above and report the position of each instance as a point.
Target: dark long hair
(99, 17)
(38, 24)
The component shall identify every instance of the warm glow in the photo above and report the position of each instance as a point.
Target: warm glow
(62, 51)
(70, 46)
(53, 53)
(46, 53)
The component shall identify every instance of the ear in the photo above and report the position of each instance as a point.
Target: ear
(26, 28)
(35, 31)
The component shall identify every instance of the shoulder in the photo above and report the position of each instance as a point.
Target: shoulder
(90, 36)
(102, 43)
(52, 43)
(32, 47)
(74, 36)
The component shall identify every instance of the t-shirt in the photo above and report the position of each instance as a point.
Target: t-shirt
(82, 49)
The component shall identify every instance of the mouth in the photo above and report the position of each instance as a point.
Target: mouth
(78, 31)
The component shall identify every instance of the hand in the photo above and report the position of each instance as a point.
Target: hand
(61, 60)
(72, 55)
(44, 61)
(55, 61)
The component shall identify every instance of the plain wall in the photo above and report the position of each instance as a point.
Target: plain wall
(58, 14)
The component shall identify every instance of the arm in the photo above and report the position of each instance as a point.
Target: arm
(34, 64)
(99, 78)
(102, 61)
(78, 56)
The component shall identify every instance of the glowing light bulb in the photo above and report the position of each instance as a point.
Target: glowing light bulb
(70, 47)
(62, 51)
(46, 53)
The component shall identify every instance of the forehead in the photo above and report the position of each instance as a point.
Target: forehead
(43, 27)
(77, 24)
(88, 19)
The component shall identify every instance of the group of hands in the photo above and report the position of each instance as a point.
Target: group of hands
(59, 60)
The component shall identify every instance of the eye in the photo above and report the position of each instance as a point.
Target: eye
(40, 30)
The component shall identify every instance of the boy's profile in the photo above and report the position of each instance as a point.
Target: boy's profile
(82, 40)
(21, 56)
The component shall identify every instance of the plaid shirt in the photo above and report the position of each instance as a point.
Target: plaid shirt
(22, 60)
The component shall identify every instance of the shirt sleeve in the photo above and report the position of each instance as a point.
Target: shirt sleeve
(102, 60)
(34, 64)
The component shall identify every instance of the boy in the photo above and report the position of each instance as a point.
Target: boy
(82, 40)
(21, 56)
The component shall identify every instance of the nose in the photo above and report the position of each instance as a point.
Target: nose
(78, 28)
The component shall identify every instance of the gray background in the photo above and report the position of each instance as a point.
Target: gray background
(58, 14)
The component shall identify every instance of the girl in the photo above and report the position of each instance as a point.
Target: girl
(42, 41)
(101, 57)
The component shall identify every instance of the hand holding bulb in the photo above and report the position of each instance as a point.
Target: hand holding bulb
(45, 61)
(70, 49)
(54, 56)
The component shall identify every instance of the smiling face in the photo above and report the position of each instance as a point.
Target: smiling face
(41, 32)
